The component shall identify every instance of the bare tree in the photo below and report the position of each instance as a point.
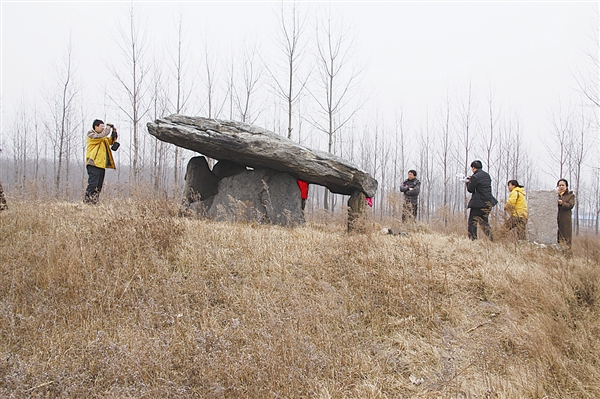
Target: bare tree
(159, 107)
(230, 85)
(20, 145)
(579, 151)
(596, 197)
(444, 154)
(505, 157)
(210, 78)
(133, 46)
(399, 153)
(466, 116)
(63, 110)
(560, 137)
(517, 148)
(178, 68)
(338, 79)
(374, 155)
(251, 74)
(588, 81)
(399, 160)
(291, 27)
(426, 165)
(490, 134)
(385, 158)
(38, 141)
(210, 71)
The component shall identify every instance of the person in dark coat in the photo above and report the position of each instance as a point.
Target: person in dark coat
(566, 202)
(482, 201)
(411, 189)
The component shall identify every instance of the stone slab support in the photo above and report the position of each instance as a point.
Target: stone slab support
(356, 212)
(542, 225)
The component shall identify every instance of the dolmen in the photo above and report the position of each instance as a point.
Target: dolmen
(256, 171)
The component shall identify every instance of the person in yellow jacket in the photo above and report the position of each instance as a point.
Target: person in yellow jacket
(98, 157)
(516, 206)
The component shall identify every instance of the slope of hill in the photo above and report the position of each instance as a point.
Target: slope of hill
(129, 300)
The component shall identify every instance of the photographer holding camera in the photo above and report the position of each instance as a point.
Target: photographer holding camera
(482, 201)
(98, 157)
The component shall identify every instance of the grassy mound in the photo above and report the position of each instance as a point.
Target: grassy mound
(130, 300)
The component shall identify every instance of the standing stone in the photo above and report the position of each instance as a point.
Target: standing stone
(225, 168)
(356, 212)
(261, 195)
(200, 182)
(542, 225)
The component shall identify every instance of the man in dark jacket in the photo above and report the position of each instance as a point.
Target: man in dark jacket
(411, 189)
(482, 201)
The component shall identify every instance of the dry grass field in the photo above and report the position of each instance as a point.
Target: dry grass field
(128, 300)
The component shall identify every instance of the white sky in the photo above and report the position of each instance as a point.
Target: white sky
(415, 52)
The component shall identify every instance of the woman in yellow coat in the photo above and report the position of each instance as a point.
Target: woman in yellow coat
(516, 206)
(98, 157)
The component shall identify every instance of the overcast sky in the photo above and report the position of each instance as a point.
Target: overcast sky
(414, 52)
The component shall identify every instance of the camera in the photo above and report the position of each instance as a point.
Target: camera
(110, 125)
(462, 177)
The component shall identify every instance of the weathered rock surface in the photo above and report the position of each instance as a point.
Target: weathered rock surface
(356, 212)
(225, 168)
(542, 225)
(200, 182)
(262, 195)
(238, 194)
(253, 146)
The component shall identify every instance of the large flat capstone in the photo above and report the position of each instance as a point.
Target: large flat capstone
(257, 147)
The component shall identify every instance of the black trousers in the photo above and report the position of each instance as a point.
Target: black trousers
(409, 211)
(95, 182)
(479, 216)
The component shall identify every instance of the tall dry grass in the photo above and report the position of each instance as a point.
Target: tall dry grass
(127, 299)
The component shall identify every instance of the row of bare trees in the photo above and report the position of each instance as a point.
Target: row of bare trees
(306, 87)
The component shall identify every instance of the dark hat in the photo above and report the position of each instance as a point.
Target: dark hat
(477, 165)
